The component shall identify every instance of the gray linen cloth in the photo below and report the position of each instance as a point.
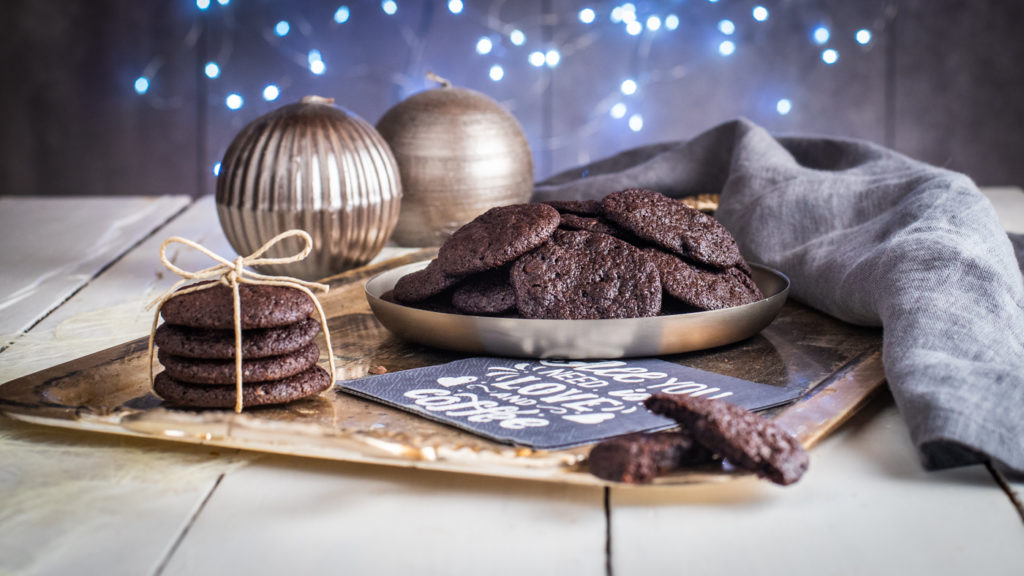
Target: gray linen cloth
(876, 239)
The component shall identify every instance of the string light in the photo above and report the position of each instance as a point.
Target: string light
(821, 35)
(628, 12)
(316, 62)
(552, 58)
(635, 18)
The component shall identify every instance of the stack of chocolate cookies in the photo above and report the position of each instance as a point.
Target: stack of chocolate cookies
(636, 253)
(197, 348)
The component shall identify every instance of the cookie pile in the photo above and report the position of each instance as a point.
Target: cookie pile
(636, 253)
(707, 427)
(197, 348)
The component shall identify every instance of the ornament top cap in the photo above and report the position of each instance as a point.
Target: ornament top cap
(313, 99)
(444, 82)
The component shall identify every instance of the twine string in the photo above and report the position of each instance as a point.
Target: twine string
(232, 273)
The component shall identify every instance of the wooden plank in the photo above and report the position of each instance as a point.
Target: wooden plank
(865, 507)
(111, 309)
(972, 94)
(1009, 204)
(73, 503)
(74, 123)
(298, 516)
(48, 255)
(1013, 485)
(77, 502)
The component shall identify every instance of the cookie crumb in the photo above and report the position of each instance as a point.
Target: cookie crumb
(377, 370)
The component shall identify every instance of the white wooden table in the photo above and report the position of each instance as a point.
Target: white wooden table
(76, 275)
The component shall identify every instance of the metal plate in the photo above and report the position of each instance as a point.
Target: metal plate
(578, 339)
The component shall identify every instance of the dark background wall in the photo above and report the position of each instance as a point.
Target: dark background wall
(941, 80)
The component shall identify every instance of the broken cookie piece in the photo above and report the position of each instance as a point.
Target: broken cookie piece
(639, 458)
(748, 441)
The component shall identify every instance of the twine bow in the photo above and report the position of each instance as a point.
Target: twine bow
(232, 273)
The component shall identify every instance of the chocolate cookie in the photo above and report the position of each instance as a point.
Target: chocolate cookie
(745, 439)
(261, 307)
(485, 293)
(496, 238)
(639, 458)
(441, 303)
(220, 344)
(578, 207)
(702, 288)
(576, 222)
(579, 275)
(422, 284)
(223, 371)
(307, 383)
(673, 225)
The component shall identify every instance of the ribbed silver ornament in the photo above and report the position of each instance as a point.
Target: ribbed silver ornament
(313, 166)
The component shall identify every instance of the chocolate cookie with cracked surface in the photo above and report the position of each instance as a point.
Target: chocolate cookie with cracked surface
(674, 226)
(220, 344)
(594, 224)
(487, 293)
(578, 207)
(307, 383)
(745, 439)
(262, 306)
(581, 275)
(702, 288)
(640, 458)
(222, 372)
(423, 284)
(496, 238)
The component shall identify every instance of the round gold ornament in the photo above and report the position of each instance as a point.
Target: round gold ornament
(459, 153)
(316, 167)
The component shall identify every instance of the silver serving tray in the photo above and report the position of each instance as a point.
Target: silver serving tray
(578, 339)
